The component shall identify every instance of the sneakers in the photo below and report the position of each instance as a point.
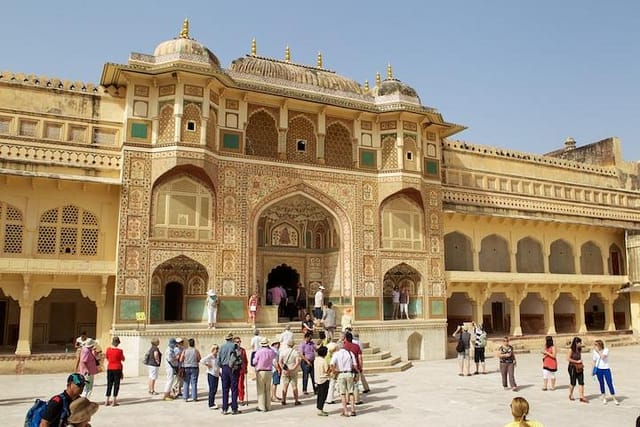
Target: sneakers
(604, 400)
(323, 414)
(616, 401)
(297, 402)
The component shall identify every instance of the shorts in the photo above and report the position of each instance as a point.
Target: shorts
(547, 374)
(464, 355)
(345, 383)
(291, 378)
(153, 372)
(275, 378)
(575, 377)
(478, 354)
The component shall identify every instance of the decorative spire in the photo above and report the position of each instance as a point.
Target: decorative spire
(287, 54)
(378, 79)
(319, 60)
(389, 72)
(254, 47)
(184, 33)
(366, 85)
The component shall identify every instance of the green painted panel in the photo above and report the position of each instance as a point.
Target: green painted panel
(196, 310)
(155, 309)
(415, 307)
(431, 167)
(437, 308)
(139, 130)
(231, 141)
(231, 310)
(366, 308)
(367, 158)
(129, 308)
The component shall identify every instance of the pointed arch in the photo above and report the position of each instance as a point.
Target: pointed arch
(561, 260)
(262, 134)
(343, 227)
(191, 123)
(403, 222)
(338, 147)
(529, 257)
(494, 254)
(11, 229)
(591, 259)
(301, 139)
(458, 252)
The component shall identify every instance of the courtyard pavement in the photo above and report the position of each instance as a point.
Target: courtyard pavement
(430, 393)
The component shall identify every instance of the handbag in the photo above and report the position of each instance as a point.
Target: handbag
(594, 371)
(549, 363)
(460, 346)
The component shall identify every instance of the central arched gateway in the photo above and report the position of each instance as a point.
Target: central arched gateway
(304, 230)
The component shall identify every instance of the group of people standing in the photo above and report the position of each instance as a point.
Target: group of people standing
(324, 365)
(506, 355)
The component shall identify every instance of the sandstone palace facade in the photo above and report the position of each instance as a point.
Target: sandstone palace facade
(122, 203)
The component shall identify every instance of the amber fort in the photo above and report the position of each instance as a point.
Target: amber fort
(123, 202)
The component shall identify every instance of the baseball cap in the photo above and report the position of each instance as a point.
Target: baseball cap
(77, 379)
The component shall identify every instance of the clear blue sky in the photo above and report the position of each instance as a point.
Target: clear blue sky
(520, 75)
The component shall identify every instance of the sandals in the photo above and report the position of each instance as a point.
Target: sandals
(583, 400)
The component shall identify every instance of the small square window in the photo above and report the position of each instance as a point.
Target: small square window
(191, 126)
(301, 145)
(409, 155)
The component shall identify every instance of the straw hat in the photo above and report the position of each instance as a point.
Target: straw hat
(81, 410)
(211, 292)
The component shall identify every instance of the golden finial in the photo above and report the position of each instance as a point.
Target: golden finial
(287, 54)
(378, 79)
(389, 72)
(366, 85)
(254, 47)
(319, 60)
(184, 33)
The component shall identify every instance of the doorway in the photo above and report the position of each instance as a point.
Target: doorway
(173, 297)
(497, 316)
(289, 278)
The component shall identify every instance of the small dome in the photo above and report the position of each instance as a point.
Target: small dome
(184, 48)
(393, 87)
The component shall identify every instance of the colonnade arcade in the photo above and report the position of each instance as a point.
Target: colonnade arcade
(512, 307)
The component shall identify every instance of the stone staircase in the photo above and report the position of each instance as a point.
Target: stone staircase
(376, 361)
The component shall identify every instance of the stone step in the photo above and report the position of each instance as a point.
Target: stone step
(397, 367)
(377, 356)
(389, 361)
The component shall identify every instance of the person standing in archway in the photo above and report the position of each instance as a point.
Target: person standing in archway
(301, 301)
(404, 302)
(318, 303)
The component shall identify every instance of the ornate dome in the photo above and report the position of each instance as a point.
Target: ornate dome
(393, 89)
(297, 74)
(390, 87)
(184, 48)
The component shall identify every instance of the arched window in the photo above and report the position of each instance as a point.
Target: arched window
(494, 254)
(182, 210)
(458, 255)
(262, 135)
(591, 259)
(401, 225)
(561, 258)
(338, 149)
(68, 230)
(529, 258)
(11, 229)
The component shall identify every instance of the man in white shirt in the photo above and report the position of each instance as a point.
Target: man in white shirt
(343, 362)
(286, 336)
(318, 302)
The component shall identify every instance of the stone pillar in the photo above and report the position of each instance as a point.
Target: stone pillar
(633, 256)
(609, 322)
(282, 144)
(477, 306)
(178, 109)
(26, 319)
(320, 156)
(545, 260)
(517, 295)
(514, 265)
(103, 315)
(549, 315)
(580, 299)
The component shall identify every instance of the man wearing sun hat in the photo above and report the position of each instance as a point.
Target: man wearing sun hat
(57, 410)
(228, 376)
(263, 362)
(212, 308)
(81, 411)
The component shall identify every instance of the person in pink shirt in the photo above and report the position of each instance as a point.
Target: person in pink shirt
(263, 362)
(87, 365)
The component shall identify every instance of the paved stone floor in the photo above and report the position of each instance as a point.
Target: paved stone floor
(430, 393)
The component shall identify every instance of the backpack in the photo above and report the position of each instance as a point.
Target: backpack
(37, 410)
(235, 359)
(460, 346)
(149, 360)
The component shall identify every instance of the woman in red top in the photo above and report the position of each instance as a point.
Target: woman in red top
(114, 357)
